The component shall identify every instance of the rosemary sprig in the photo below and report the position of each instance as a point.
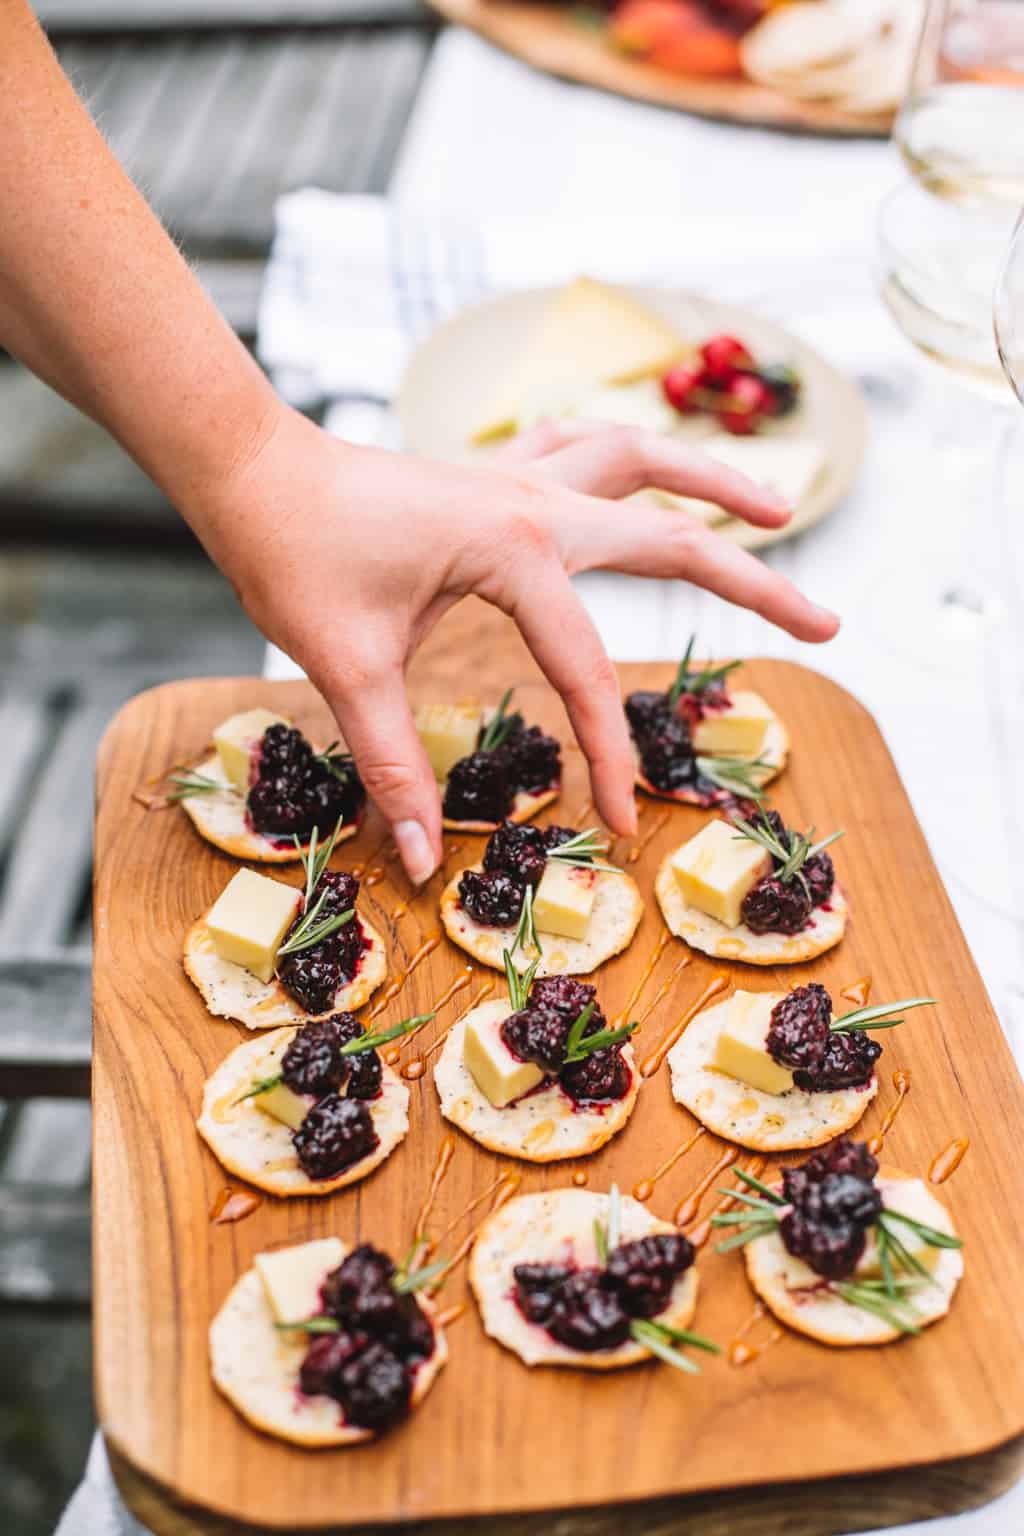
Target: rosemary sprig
(697, 682)
(526, 932)
(608, 1234)
(189, 782)
(656, 1339)
(497, 729)
(406, 1282)
(261, 1085)
(340, 765)
(897, 1310)
(371, 1041)
(735, 775)
(519, 982)
(601, 1241)
(316, 857)
(578, 1046)
(582, 850)
(870, 1018)
(931, 1236)
(308, 932)
(311, 1325)
(771, 1195)
(791, 856)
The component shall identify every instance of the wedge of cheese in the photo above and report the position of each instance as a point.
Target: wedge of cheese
(501, 1077)
(911, 1198)
(588, 335)
(564, 900)
(716, 869)
(250, 918)
(292, 1277)
(237, 738)
(448, 732)
(739, 730)
(741, 1051)
(284, 1104)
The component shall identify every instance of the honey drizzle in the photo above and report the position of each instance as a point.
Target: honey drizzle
(579, 1178)
(450, 1315)
(582, 814)
(688, 1207)
(375, 876)
(742, 1353)
(699, 1236)
(858, 992)
(946, 1162)
(234, 1205)
(649, 834)
(645, 975)
(444, 1157)
(644, 1189)
(503, 1188)
(651, 1063)
(665, 988)
(393, 988)
(901, 1083)
(398, 911)
(415, 1067)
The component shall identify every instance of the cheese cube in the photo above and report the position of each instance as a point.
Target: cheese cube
(911, 1197)
(250, 918)
(716, 869)
(235, 740)
(736, 731)
(283, 1104)
(500, 1076)
(741, 1051)
(292, 1277)
(448, 732)
(564, 900)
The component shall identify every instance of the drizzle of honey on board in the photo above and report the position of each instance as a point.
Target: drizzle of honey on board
(649, 834)
(645, 974)
(665, 988)
(742, 1351)
(234, 1205)
(901, 1083)
(451, 1315)
(858, 992)
(579, 1178)
(651, 1063)
(946, 1162)
(414, 1069)
(503, 1188)
(393, 1055)
(644, 1188)
(688, 1207)
(430, 943)
(398, 911)
(445, 1154)
(699, 1235)
(374, 877)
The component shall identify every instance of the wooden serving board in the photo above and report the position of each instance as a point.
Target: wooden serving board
(553, 38)
(494, 1439)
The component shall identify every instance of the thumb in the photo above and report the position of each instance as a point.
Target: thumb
(375, 719)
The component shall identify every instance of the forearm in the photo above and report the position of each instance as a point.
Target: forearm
(96, 299)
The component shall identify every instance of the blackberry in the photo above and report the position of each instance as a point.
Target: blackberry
(800, 1028)
(327, 1353)
(375, 1388)
(537, 1033)
(568, 997)
(293, 791)
(518, 852)
(833, 1203)
(647, 713)
(335, 1134)
(776, 906)
(313, 1062)
(602, 1075)
(533, 759)
(360, 1284)
(820, 875)
(848, 1062)
(588, 1315)
(478, 789)
(643, 1273)
(314, 976)
(668, 760)
(537, 1289)
(554, 837)
(364, 1075)
(496, 900)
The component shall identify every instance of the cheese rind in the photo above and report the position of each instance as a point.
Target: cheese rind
(237, 737)
(737, 731)
(501, 1077)
(282, 1103)
(741, 1051)
(910, 1197)
(448, 732)
(292, 1277)
(564, 900)
(250, 918)
(716, 869)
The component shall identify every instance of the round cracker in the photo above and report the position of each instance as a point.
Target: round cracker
(618, 908)
(827, 926)
(257, 1368)
(779, 1278)
(542, 1127)
(524, 807)
(551, 1228)
(765, 1122)
(220, 817)
(775, 753)
(258, 1148)
(231, 992)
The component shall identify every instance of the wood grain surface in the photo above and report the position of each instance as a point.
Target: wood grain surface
(492, 1437)
(552, 38)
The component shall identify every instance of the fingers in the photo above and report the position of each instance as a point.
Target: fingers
(373, 712)
(559, 632)
(546, 437)
(619, 461)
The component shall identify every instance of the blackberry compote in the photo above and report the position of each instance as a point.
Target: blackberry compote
(478, 789)
(484, 785)
(314, 976)
(775, 905)
(294, 790)
(514, 859)
(587, 1314)
(537, 1289)
(540, 1031)
(335, 1134)
(833, 1202)
(800, 1036)
(493, 899)
(642, 1273)
(375, 1388)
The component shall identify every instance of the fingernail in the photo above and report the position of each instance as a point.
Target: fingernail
(414, 848)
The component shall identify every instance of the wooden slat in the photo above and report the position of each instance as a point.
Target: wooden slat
(44, 1244)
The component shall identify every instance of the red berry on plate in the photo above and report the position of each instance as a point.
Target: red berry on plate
(681, 385)
(745, 404)
(724, 357)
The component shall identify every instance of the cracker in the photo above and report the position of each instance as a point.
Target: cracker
(220, 817)
(827, 926)
(775, 753)
(524, 807)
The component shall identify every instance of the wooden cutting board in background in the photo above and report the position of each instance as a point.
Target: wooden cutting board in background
(916, 1425)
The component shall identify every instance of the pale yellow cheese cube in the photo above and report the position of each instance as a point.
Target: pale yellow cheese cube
(283, 1104)
(736, 731)
(250, 918)
(235, 740)
(716, 869)
(564, 900)
(448, 732)
(911, 1197)
(292, 1277)
(741, 1051)
(501, 1077)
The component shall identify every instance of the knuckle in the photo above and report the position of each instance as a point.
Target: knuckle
(526, 535)
(385, 780)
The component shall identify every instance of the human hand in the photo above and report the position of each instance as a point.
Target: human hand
(347, 557)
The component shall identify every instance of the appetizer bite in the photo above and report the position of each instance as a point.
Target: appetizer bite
(776, 1071)
(540, 1076)
(266, 789)
(324, 1345)
(753, 891)
(309, 1110)
(269, 954)
(702, 742)
(542, 893)
(844, 1251)
(490, 765)
(573, 1278)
